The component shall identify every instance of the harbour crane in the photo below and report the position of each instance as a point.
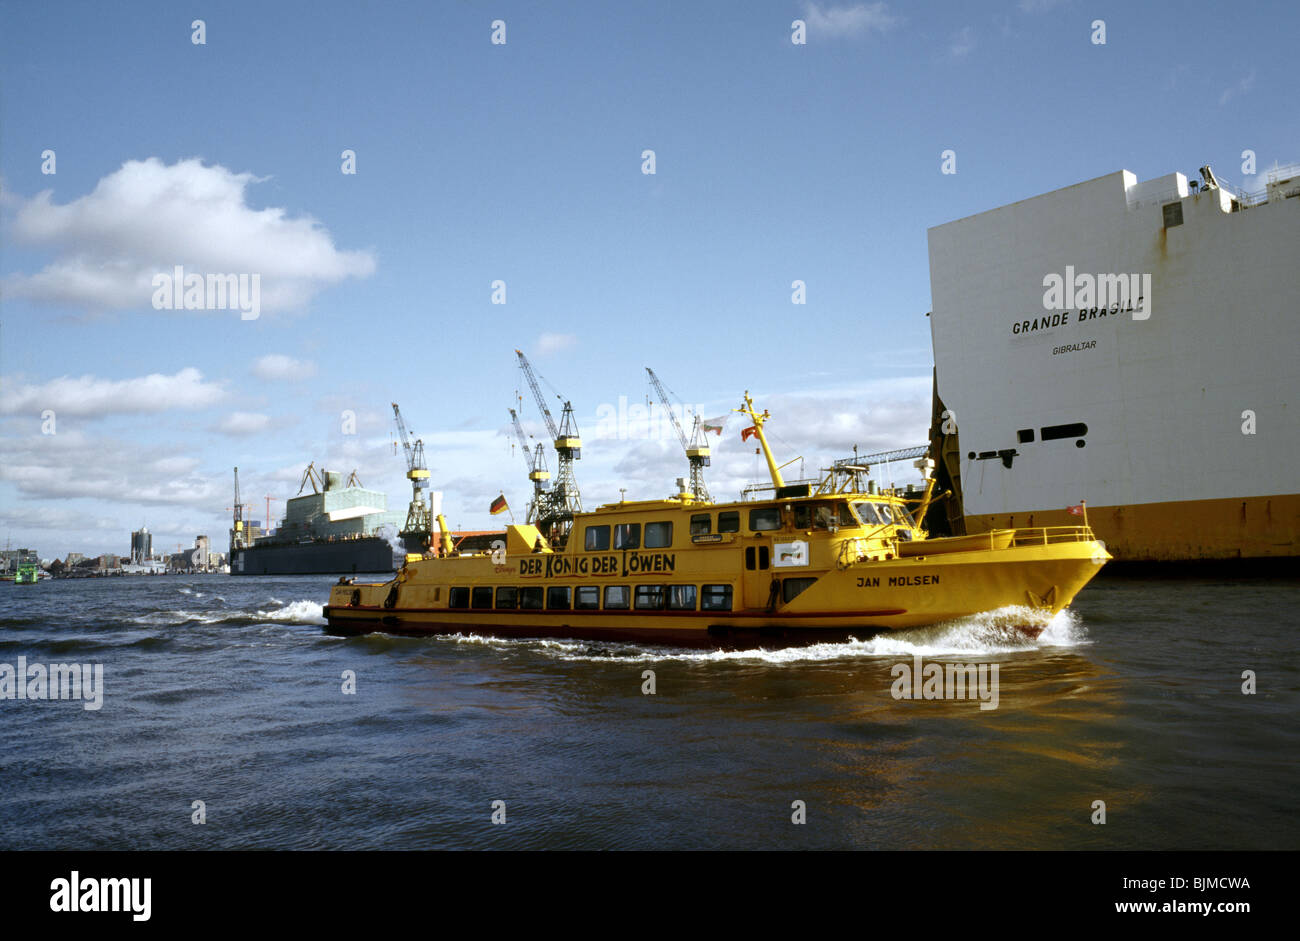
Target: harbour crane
(238, 537)
(563, 500)
(311, 476)
(697, 451)
(418, 531)
(537, 471)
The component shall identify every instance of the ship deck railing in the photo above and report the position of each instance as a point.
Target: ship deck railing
(1051, 535)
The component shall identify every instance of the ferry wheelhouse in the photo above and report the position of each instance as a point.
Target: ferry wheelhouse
(809, 561)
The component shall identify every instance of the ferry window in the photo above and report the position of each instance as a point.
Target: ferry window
(802, 516)
(507, 597)
(658, 535)
(901, 515)
(681, 597)
(482, 597)
(871, 514)
(649, 597)
(790, 587)
(530, 599)
(764, 519)
(587, 598)
(764, 557)
(715, 598)
(597, 538)
(616, 597)
(701, 524)
(729, 521)
(458, 598)
(823, 518)
(557, 597)
(627, 535)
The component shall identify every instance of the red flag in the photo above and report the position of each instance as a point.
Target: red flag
(1075, 510)
(747, 433)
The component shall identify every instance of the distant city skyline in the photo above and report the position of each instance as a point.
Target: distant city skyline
(133, 157)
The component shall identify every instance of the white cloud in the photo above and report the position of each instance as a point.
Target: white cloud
(148, 217)
(89, 395)
(70, 465)
(278, 366)
(963, 41)
(549, 343)
(848, 20)
(244, 423)
(1245, 84)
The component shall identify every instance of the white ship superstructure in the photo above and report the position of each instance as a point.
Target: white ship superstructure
(1132, 345)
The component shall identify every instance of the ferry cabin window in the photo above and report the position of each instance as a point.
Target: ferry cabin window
(649, 597)
(764, 518)
(901, 515)
(715, 598)
(681, 597)
(507, 598)
(530, 599)
(597, 539)
(557, 597)
(587, 598)
(701, 524)
(658, 535)
(616, 597)
(791, 587)
(871, 514)
(803, 516)
(627, 535)
(762, 557)
(729, 521)
(458, 598)
(482, 597)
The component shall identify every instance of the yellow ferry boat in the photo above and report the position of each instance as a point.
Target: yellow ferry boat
(812, 560)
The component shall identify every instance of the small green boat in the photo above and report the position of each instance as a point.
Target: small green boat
(27, 574)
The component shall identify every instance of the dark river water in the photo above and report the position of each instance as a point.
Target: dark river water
(228, 691)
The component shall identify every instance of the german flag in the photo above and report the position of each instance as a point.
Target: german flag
(499, 505)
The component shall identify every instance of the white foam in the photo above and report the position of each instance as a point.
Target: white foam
(987, 634)
(303, 611)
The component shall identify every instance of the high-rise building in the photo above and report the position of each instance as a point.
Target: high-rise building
(141, 546)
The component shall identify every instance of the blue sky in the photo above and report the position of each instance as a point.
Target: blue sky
(523, 162)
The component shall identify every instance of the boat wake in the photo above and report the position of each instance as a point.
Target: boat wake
(988, 634)
(294, 612)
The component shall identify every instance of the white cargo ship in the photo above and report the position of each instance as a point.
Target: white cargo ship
(1131, 345)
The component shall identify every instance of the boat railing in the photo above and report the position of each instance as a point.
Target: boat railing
(1051, 535)
(854, 549)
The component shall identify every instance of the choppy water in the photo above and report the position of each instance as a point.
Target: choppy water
(228, 691)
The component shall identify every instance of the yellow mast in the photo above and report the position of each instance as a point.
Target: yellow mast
(446, 535)
(758, 420)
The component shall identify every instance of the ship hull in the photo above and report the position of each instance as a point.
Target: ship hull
(343, 557)
(1182, 531)
(1170, 413)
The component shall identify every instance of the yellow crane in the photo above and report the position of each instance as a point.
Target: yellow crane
(563, 500)
(697, 452)
(418, 531)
